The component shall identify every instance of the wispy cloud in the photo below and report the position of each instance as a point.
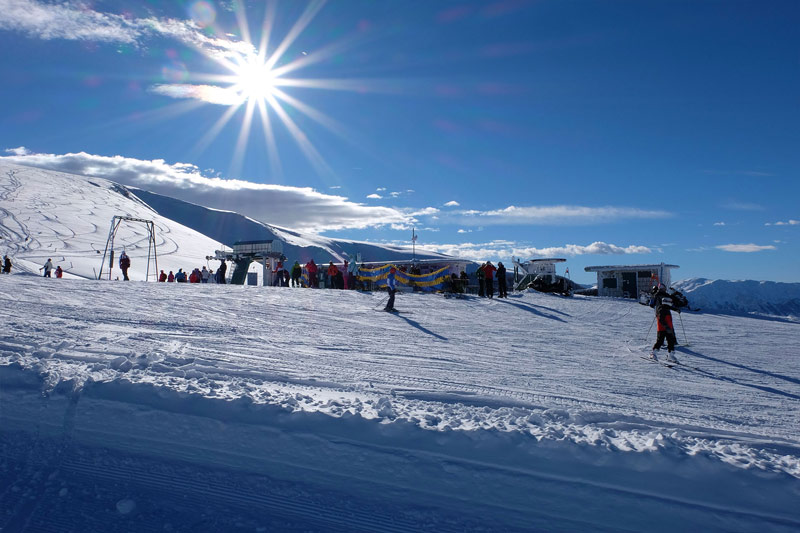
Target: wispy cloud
(743, 206)
(75, 21)
(789, 222)
(556, 215)
(211, 94)
(499, 249)
(745, 248)
(720, 224)
(301, 208)
(20, 150)
(452, 203)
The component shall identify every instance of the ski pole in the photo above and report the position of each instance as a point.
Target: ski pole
(651, 328)
(684, 330)
(382, 302)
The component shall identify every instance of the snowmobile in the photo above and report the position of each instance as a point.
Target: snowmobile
(552, 283)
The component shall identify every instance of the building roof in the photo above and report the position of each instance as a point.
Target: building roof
(627, 268)
(546, 260)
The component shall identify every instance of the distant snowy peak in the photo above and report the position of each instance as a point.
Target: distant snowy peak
(743, 296)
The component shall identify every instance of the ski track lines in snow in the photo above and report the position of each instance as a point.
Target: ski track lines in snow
(55, 215)
(528, 412)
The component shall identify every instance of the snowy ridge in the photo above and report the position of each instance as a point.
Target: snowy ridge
(743, 296)
(228, 227)
(47, 214)
(278, 381)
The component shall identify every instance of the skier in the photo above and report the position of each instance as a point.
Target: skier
(464, 279)
(180, 277)
(6, 265)
(204, 275)
(162, 277)
(124, 264)
(352, 272)
(391, 283)
(488, 272)
(59, 272)
(297, 271)
(223, 268)
(311, 268)
(277, 275)
(171, 277)
(502, 290)
(333, 271)
(481, 275)
(47, 268)
(662, 303)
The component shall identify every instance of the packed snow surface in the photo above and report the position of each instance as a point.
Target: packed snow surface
(133, 406)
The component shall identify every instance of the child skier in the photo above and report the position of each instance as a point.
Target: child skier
(391, 283)
(662, 303)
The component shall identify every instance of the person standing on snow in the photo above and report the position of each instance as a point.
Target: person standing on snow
(488, 272)
(662, 303)
(48, 267)
(332, 273)
(221, 271)
(311, 268)
(481, 275)
(204, 275)
(502, 290)
(6, 265)
(59, 272)
(124, 264)
(297, 271)
(171, 277)
(391, 283)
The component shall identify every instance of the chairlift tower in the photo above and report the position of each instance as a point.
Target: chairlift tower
(151, 244)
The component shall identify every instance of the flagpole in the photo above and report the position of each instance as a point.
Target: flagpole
(413, 246)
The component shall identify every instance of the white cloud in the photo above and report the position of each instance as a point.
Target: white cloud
(300, 208)
(452, 203)
(744, 248)
(207, 93)
(20, 150)
(425, 211)
(556, 214)
(374, 196)
(76, 21)
(500, 248)
(743, 206)
(789, 222)
(719, 224)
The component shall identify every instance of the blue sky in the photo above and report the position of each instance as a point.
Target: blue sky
(607, 132)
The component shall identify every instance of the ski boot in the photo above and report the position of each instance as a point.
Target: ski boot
(671, 358)
(653, 355)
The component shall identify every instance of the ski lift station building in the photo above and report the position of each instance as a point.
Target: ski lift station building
(628, 281)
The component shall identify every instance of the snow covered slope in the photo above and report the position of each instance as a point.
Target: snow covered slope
(228, 227)
(222, 408)
(47, 214)
(762, 297)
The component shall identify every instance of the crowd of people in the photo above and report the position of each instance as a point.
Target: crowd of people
(310, 275)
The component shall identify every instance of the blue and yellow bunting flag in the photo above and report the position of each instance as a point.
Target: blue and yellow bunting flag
(427, 282)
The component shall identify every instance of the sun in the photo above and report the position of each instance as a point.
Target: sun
(254, 80)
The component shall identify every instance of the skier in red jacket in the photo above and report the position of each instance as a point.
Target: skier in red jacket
(662, 302)
(488, 272)
(311, 268)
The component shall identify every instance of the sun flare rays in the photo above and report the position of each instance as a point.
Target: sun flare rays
(250, 86)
